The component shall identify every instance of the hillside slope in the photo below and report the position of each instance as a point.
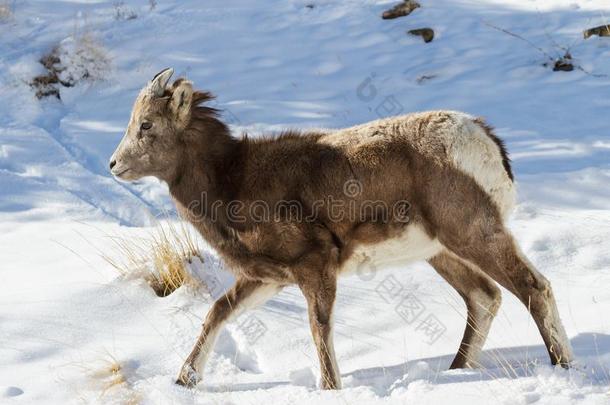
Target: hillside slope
(66, 314)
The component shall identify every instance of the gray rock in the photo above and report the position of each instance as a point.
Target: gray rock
(400, 10)
(426, 33)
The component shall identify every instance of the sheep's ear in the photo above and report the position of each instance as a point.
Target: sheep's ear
(181, 101)
(159, 82)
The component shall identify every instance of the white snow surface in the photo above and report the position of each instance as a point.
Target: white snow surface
(66, 314)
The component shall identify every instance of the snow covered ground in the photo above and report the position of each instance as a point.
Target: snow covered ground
(66, 316)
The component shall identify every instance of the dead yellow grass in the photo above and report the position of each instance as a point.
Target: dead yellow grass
(112, 377)
(111, 373)
(6, 9)
(78, 58)
(104, 379)
(162, 256)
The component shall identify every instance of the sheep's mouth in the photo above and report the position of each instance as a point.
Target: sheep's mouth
(120, 173)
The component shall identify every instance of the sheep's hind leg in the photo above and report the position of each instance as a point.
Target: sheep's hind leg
(482, 298)
(494, 250)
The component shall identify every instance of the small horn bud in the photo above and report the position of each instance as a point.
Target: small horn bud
(159, 82)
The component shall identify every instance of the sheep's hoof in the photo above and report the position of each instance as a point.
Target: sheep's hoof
(188, 377)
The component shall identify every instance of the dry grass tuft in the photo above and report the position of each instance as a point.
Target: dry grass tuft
(162, 257)
(123, 12)
(78, 58)
(111, 379)
(111, 373)
(6, 9)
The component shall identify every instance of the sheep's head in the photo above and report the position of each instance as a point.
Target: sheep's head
(153, 143)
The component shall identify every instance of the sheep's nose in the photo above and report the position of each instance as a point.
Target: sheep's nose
(112, 163)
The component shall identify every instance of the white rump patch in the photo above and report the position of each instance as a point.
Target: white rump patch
(476, 154)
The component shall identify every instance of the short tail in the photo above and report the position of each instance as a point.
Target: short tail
(505, 158)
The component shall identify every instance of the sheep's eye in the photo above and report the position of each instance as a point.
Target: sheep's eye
(146, 126)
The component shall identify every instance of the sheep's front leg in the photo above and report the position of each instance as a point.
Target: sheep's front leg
(244, 294)
(320, 301)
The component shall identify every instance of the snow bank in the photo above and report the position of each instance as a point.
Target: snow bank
(73, 330)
